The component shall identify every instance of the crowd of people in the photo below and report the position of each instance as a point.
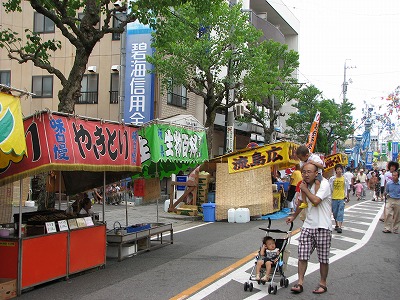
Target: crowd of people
(316, 199)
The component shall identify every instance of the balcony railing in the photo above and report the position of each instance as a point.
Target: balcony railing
(271, 32)
(177, 100)
(113, 97)
(88, 98)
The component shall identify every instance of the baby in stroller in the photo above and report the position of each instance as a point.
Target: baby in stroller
(268, 256)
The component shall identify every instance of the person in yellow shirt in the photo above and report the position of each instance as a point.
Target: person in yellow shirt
(295, 178)
(339, 188)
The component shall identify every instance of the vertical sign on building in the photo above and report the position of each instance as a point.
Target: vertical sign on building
(139, 83)
(395, 151)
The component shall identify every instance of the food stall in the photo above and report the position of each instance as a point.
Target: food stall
(84, 153)
(243, 178)
(166, 148)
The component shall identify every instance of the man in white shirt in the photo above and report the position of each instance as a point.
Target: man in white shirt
(316, 232)
(350, 179)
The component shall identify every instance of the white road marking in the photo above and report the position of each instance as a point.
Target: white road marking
(240, 274)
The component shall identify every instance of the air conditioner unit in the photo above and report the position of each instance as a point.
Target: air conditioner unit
(115, 68)
(92, 69)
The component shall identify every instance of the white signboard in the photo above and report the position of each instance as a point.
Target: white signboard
(89, 221)
(51, 227)
(63, 225)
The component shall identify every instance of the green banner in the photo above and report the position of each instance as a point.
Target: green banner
(168, 149)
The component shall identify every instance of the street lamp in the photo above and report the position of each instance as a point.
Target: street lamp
(345, 83)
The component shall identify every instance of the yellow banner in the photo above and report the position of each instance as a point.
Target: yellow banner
(282, 153)
(12, 134)
(334, 159)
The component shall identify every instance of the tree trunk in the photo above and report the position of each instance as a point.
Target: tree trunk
(71, 90)
(209, 124)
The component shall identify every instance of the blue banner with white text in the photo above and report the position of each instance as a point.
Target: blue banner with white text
(139, 83)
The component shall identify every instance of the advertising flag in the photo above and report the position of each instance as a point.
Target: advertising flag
(312, 136)
(12, 135)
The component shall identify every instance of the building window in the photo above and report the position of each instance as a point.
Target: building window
(114, 86)
(115, 35)
(80, 17)
(89, 89)
(42, 86)
(177, 96)
(42, 24)
(5, 77)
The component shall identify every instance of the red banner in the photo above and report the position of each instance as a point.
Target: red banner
(67, 143)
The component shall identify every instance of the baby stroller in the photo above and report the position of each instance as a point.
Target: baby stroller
(278, 270)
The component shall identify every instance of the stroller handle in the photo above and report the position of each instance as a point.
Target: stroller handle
(276, 230)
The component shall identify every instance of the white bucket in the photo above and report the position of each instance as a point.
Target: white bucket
(231, 215)
(242, 215)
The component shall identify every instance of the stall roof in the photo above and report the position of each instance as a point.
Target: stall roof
(82, 148)
(281, 154)
(168, 148)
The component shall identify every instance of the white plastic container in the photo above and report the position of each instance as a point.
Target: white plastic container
(231, 215)
(166, 205)
(242, 215)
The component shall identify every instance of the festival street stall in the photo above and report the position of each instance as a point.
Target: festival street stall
(86, 153)
(243, 178)
(167, 149)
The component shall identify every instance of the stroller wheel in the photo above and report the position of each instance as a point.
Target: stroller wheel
(282, 282)
(286, 283)
(251, 287)
(270, 289)
(246, 286)
(275, 289)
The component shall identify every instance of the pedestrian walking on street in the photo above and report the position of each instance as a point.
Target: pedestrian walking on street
(392, 221)
(339, 187)
(295, 178)
(316, 232)
(391, 167)
(350, 178)
(363, 180)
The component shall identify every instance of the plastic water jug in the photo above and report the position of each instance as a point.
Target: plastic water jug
(231, 215)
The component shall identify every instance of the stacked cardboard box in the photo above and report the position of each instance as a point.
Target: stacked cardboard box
(8, 288)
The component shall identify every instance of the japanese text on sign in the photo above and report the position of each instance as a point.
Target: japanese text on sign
(331, 160)
(137, 99)
(59, 148)
(112, 142)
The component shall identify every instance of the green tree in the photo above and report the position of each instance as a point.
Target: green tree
(81, 33)
(269, 85)
(207, 52)
(335, 121)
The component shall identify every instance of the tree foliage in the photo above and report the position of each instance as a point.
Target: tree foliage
(207, 52)
(268, 86)
(335, 121)
(82, 33)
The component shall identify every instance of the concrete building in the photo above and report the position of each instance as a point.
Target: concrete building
(100, 86)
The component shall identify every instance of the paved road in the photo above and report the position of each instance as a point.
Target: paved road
(213, 260)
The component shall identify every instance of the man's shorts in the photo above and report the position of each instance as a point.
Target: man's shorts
(338, 210)
(315, 238)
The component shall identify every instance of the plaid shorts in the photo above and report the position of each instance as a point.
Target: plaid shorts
(311, 238)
